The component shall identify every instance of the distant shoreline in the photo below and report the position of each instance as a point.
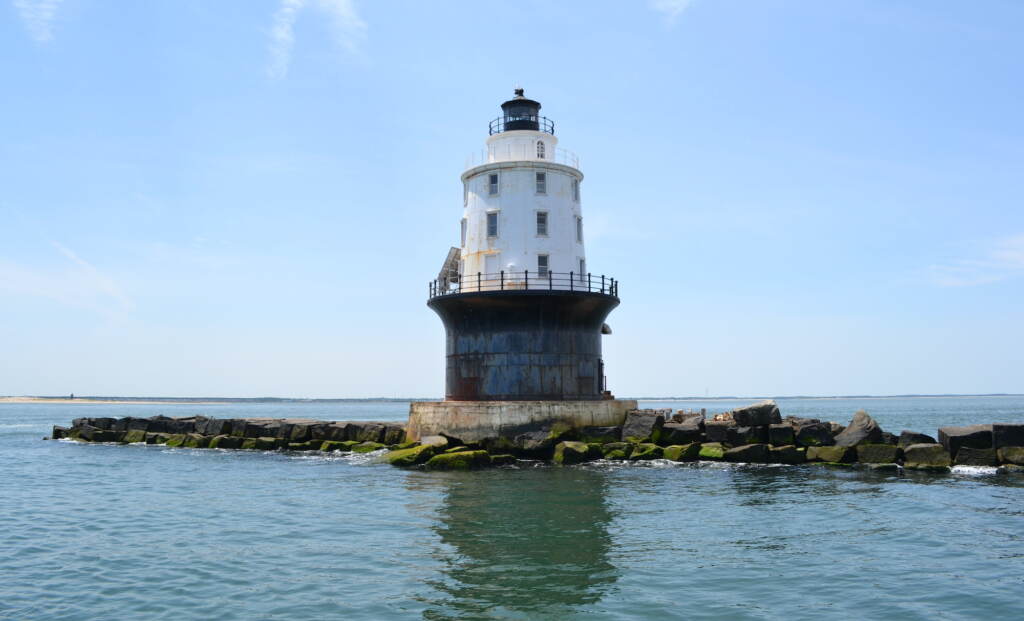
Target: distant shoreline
(285, 400)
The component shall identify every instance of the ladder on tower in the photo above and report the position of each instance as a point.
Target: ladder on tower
(450, 269)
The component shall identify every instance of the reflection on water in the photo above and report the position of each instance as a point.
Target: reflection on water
(523, 544)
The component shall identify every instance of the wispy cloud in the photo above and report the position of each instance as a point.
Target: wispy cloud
(78, 284)
(1002, 259)
(38, 16)
(347, 28)
(670, 9)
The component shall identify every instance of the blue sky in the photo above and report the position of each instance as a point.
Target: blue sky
(248, 198)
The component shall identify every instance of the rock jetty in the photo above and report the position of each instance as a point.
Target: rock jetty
(755, 434)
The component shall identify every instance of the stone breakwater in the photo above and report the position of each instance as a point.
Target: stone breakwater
(754, 434)
(295, 434)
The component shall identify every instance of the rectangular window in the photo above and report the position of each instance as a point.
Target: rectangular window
(542, 183)
(542, 265)
(579, 229)
(576, 190)
(583, 268)
(463, 231)
(465, 194)
(492, 225)
(492, 184)
(542, 223)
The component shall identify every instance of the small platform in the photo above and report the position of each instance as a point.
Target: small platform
(475, 421)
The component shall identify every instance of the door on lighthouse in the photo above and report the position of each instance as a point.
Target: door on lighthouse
(491, 267)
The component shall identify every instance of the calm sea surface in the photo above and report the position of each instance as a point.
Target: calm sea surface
(146, 532)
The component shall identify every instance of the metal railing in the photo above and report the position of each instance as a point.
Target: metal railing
(527, 281)
(515, 153)
(522, 121)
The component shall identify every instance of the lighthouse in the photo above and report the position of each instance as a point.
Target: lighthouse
(523, 312)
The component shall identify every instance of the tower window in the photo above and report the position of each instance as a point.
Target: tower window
(465, 194)
(492, 184)
(542, 183)
(583, 268)
(492, 224)
(579, 229)
(542, 265)
(542, 223)
(463, 231)
(576, 190)
(540, 149)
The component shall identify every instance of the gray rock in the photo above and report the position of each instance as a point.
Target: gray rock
(641, 425)
(678, 433)
(862, 429)
(534, 441)
(370, 432)
(758, 414)
(1007, 434)
(781, 435)
(814, 434)
(1011, 455)
(718, 431)
(833, 454)
(59, 432)
(750, 453)
(602, 435)
(787, 455)
(99, 423)
(889, 438)
(835, 428)
(741, 436)
(877, 453)
(969, 456)
(393, 434)
(974, 436)
(912, 437)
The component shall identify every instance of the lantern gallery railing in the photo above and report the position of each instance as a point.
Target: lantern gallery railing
(513, 122)
(526, 281)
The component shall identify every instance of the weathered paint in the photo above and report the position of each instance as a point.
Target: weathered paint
(523, 345)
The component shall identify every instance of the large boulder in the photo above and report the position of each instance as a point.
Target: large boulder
(832, 454)
(641, 425)
(623, 448)
(645, 451)
(690, 430)
(712, 450)
(59, 432)
(862, 430)
(682, 452)
(974, 436)
(134, 436)
(877, 453)
(1007, 434)
(601, 435)
(393, 434)
(463, 460)
(787, 455)
(908, 437)
(718, 430)
(814, 434)
(926, 457)
(131, 423)
(569, 453)
(103, 423)
(750, 453)
(781, 435)
(741, 436)
(224, 441)
(1011, 455)
(758, 414)
(411, 456)
(970, 456)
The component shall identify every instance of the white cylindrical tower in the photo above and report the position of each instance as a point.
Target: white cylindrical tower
(521, 215)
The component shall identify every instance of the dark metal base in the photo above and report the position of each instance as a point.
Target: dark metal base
(523, 345)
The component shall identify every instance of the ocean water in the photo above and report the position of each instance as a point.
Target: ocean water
(147, 532)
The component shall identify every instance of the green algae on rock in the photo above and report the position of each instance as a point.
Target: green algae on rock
(682, 452)
(712, 450)
(463, 460)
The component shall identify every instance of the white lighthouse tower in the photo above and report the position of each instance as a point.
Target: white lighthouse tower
(521, 200)
(523, 313)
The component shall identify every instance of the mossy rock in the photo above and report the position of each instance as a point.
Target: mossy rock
(926, 456)
(568, 453)
(406, 445)
(1012, 469)
(457, 449)
(872, 453)
(134, 436)
(834, 454)
(463, 460)
(645, 451)
(617, 455)
(157, 438)
(268, 444)
(367, 447)
(176, 440)
(410, 456)
(682, 452)
(712, 450)
(226, 442)
(787, 455)
(196, 440)
(623, 447)
(308, 445)
(1012, 455)
(503, 460)
(335, 446)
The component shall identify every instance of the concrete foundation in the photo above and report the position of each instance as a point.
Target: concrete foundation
(474, 421)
